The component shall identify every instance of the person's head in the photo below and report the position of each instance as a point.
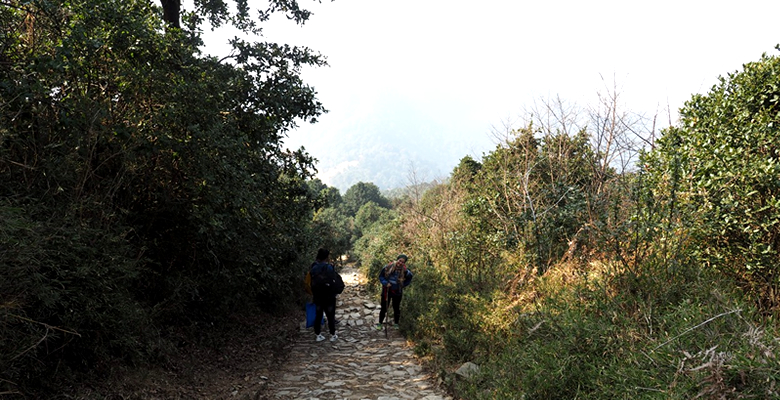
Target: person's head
(401, 259)
(322, 254)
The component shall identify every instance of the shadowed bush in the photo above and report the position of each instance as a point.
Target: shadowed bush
(145, 194)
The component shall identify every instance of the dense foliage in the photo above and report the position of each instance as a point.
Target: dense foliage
(144, 189)
(145, 195)
(723, 162)
(361, 193)
(564, 271)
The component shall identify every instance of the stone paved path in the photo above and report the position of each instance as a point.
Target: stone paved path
(361, 364)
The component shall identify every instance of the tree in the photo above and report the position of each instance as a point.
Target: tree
(369, 214)
(361, 193)
(720, 168)
(333, 230)
(536, 189)
(332, 197)
(147, 186)
(466, 171)
(219, 12)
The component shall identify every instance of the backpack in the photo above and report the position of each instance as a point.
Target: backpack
(326, 281)
(307, 283)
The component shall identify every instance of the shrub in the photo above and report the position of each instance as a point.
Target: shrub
(722, 162)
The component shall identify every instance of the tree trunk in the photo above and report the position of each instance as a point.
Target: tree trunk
(171, 10)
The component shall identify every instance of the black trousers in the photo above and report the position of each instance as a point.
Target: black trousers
(328, 306)
(395, 299)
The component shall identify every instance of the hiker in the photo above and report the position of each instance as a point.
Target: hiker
(394, 277)
(324, 297)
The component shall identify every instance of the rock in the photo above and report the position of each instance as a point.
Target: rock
(467, 370)
(361, 364)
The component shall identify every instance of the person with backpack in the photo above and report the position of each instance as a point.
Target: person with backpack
(326, 284)
(394, 277)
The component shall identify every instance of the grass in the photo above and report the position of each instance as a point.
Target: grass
(604, 333)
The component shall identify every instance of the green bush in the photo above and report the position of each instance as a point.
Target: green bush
(723, 164)
(638, 292)
(147, 188)
(614, 347)
(68, 304)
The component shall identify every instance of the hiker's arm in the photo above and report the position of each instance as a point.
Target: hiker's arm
(382, 278)
(408, 278)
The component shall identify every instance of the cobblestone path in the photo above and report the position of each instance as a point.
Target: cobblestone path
(360, 364)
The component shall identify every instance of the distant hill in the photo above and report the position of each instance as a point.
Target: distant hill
(389, 151)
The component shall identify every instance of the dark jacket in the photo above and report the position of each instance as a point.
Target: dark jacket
(316, 268)
(394, 278)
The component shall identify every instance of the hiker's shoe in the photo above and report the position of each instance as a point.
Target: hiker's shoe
(379, 327)
(395, 326)
(334, 337)
(320, 338)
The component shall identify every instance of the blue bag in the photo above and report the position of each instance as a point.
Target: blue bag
(311, 312)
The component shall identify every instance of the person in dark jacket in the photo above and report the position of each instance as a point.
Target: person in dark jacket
(324, 302)
(394, 277)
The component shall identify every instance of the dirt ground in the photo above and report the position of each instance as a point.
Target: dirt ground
(237, 368)
(245, 365)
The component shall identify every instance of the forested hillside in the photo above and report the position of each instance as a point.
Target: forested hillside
(146, 200)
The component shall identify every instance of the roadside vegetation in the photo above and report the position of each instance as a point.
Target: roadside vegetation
(147, 200)
(589, 256)
(145, 194)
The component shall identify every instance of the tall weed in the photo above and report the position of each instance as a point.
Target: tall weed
(583, 342)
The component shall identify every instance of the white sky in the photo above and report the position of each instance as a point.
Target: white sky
(455, 69)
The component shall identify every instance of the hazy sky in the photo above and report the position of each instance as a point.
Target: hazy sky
(446, 72)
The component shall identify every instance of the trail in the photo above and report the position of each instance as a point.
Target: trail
(361, 364)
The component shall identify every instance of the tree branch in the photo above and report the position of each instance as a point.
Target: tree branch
(738, 310)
